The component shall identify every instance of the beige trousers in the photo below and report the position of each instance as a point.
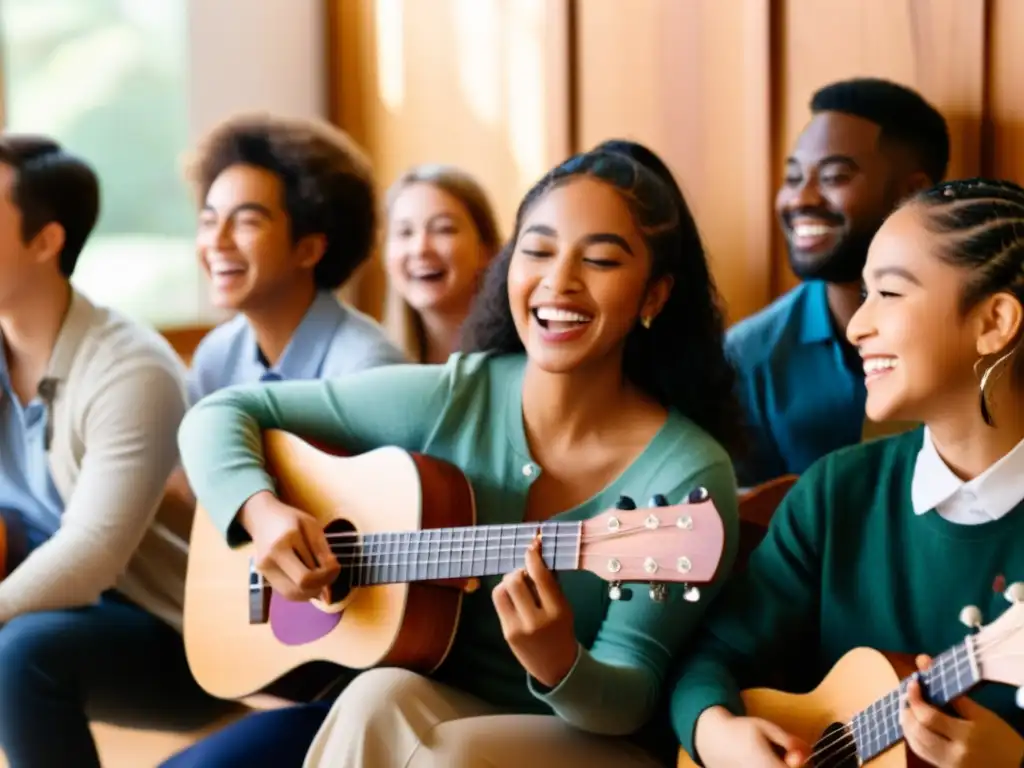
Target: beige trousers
(392, 718)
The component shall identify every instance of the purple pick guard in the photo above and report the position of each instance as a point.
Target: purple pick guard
(298, 623)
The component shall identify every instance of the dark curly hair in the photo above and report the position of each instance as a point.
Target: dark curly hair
(680, 361)
(328, 182)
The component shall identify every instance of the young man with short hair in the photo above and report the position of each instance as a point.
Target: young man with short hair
(869, 144)
(90, 404)
(288, 213)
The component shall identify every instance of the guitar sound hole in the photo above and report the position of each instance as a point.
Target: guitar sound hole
(339, 536)
(835, 749)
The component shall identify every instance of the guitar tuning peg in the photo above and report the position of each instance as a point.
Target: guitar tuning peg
(970, 617)
(1015, 592)
(625, 502)
(1019, 698)
(690, 594)
(658, 592)
(658, 500)
(616, 592)
(698, 495)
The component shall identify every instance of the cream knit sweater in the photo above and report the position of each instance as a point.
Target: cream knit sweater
(119, 398)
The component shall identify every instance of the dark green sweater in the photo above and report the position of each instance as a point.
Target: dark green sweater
(847, 563)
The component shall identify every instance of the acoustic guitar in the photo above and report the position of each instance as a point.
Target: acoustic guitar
(13, 542)
(852, 717)
(402, 527)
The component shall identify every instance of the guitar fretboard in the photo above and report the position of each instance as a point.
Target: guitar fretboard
(877, 727)
(451, 553)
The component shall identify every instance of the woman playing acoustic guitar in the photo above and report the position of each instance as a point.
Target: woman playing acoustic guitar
(599, 372)
(883, 545)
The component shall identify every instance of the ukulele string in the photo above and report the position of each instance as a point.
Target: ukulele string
(838, 743)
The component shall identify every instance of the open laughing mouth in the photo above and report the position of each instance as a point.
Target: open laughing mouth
(558, 324)
(877, 366)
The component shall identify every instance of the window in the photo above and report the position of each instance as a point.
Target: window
(109, 80)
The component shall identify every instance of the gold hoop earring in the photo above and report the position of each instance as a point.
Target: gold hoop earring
(646, 321)
(986, 414)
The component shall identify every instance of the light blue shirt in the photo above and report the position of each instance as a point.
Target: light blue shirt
(332, 340)
(26, 486)
(802, 395)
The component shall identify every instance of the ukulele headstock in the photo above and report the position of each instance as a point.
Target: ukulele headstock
(660, 544)
(999, 646)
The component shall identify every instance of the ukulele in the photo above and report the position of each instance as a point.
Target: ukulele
(402, 527)
(852, 718)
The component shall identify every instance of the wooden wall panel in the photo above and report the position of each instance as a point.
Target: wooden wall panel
(483, 84)
(1003, 146)
(718, 88)
(935, 46)
(692, 81)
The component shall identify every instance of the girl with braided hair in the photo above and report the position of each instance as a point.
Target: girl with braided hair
(932, 519)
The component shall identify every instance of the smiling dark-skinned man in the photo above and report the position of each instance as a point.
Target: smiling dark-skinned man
(869, 144)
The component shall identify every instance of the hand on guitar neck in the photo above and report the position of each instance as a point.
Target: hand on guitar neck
(951, 742)
(851, 725)
(291, 549)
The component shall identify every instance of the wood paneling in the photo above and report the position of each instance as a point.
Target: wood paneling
(483, 84)
(718, 88)
(692, 80)
(1003, 144)
(934, 46)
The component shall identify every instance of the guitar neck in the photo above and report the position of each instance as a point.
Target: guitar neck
(877, 727)
(452, 553)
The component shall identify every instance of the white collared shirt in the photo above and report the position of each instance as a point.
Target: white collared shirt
(987, 497)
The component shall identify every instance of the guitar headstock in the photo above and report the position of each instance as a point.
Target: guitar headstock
(999, 646)
(662, 543)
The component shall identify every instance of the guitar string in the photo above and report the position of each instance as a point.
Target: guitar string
(847, 737)
(837, 745)
(577, 534)
(841, 740)
(576, 526)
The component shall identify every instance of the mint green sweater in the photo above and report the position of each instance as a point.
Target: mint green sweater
(469, 412)
(847, 563)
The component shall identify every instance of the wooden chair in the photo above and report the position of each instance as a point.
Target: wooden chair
(757, 505)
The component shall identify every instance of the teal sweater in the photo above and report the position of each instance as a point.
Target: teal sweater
(469, 412)
(847, 563)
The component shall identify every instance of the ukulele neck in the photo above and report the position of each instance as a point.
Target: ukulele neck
(952, 674)
(452, 553)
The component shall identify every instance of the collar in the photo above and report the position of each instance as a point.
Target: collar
(815, 317)
(73, 330)
(77, 323)
(997, 490)
(304, 355)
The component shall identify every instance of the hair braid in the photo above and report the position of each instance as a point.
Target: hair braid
(984, 222)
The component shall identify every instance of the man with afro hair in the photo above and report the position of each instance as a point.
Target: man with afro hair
(288, 211)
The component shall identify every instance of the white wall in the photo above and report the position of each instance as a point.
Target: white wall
(255, 55)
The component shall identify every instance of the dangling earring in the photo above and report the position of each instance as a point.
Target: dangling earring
(985, 413)
(646, 321)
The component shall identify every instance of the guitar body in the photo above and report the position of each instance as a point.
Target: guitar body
(407, 625)
(859, 678)
(13, 542)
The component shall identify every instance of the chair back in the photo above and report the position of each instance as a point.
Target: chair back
(757, 505)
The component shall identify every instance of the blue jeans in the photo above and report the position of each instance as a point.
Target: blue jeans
(113, 662)
(278, 738)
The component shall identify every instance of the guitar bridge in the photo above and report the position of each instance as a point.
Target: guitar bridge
(259, 596)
